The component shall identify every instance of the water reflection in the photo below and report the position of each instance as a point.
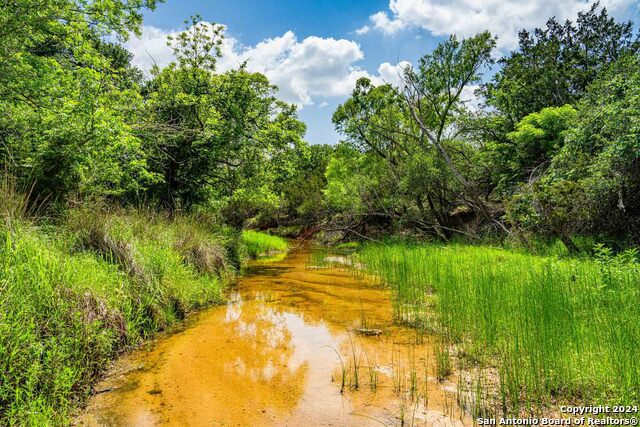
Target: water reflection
(270, 357)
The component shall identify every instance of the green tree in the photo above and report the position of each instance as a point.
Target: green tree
(299, 172)
(592, 184)
(553, 66)
(417, 188)
(211, 135)
(528, 151)
(433, 95)
(66, 102)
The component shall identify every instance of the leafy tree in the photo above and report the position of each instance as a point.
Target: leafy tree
(299, 172)
(553, 66)
(592, 184)
(417, 187)
(528, 150)
(361, 194)
(433, 92)
(66, 106)
(210, 135)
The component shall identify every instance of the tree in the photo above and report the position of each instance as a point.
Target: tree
(299, 172)
(433, 91)
(210, 135)
(592, 183)
(553, 66)
(377, 122)
(528, 151)
(66, 102)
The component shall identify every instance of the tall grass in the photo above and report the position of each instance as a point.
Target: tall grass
(79, 291)
(259, 244)
(554, 329)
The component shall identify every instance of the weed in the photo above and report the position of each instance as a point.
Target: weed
(343, 371)
(443, 361)
(355, 365)
(76, 293)
(373, 372)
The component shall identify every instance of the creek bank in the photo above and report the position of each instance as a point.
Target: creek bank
(80, 292)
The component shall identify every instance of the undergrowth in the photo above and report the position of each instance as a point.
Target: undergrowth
(259, 244)
(78, 291)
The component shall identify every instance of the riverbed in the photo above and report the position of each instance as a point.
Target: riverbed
(296, 344)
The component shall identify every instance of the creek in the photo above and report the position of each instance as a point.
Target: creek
(278, 353)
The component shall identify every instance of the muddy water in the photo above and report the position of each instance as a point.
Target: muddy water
(278, 354)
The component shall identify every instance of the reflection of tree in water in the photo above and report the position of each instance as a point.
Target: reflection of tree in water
(262, 353)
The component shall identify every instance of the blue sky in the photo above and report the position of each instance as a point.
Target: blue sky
(314, 50)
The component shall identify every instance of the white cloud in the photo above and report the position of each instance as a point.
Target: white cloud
(363, 30)
(151, 47)
(302, 70)
(392, 74)
(469, 97)
(312, 67)
(504, 18)
(388, 26)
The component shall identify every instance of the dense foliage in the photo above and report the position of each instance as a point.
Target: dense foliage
(77, 120)
(553, 152)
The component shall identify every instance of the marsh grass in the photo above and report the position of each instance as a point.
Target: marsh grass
(373, 371)
(555, 328)
(355, 364)
(343, 371)
(261, 244)
(443, 361)
(318, 258)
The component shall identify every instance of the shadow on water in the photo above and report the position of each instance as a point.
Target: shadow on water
(264, 269)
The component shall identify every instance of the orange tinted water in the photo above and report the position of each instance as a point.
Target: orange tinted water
(275, 355)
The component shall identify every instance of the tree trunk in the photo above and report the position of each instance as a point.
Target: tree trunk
(571, 247)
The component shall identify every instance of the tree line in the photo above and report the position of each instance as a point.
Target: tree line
(78, 121)
(552, 151)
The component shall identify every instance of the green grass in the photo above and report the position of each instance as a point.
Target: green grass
(260, 244)
(554, 329)
(76, 294)
(77, 291)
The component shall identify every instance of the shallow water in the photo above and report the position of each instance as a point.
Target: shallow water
(274, 356)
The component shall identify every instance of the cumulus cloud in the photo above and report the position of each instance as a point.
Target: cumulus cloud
(314, 66)
(150, 48)
(504, 18)
(302, 69)
(392, 74)
(388, 26)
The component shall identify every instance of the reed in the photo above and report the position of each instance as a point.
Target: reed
(556, 328)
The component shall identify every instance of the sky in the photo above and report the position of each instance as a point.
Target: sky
(315, 50)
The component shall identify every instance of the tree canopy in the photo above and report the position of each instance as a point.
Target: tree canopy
(551, 152)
